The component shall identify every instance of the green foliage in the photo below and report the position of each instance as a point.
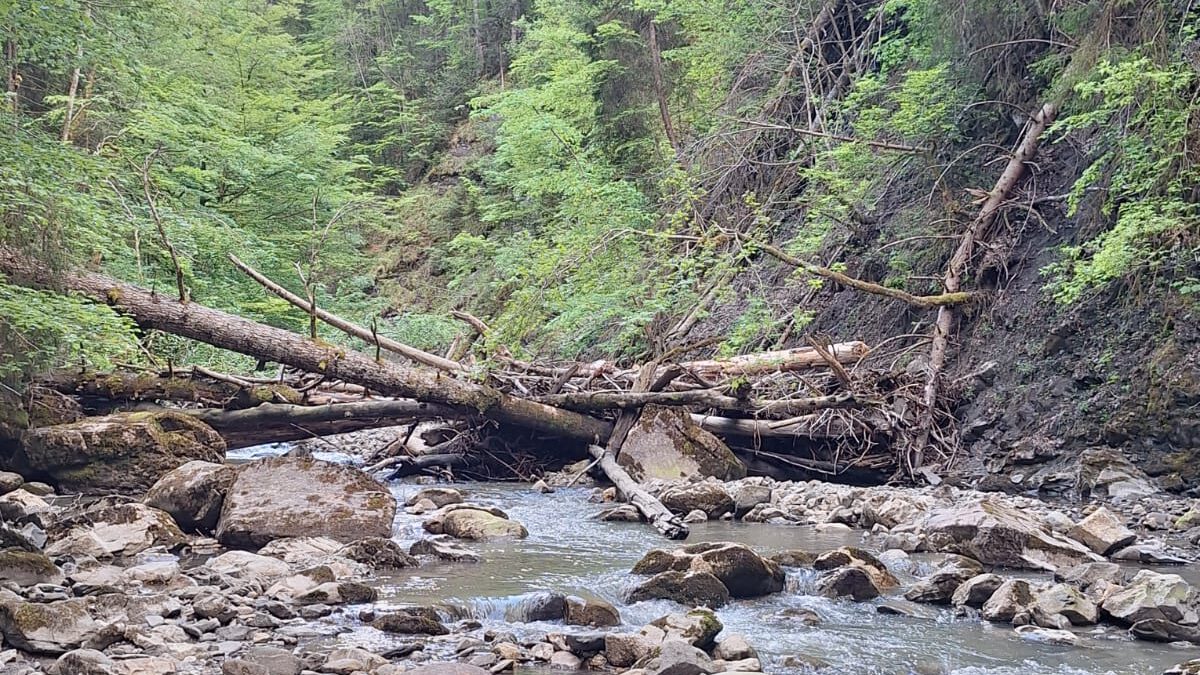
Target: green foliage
(1142, 117)
(751, 328)
(40, 328)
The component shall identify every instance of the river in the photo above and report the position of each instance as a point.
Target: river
(569, 552)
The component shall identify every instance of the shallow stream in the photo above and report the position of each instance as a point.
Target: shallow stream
(568, 552)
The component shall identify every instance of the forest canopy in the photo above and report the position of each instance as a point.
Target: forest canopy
(592, 179)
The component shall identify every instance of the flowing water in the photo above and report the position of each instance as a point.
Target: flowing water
(568, 552)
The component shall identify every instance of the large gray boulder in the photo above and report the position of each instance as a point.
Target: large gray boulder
(193, 494)
(1151, 595)
(303, 497)
(116, 530)
(1105, 472)
(687, 588)
(711, 498)
(1103, 532)
(1066, 600)
(48, 628)
(667, 444)
(124, 453)
(995, 533)
(744, 573)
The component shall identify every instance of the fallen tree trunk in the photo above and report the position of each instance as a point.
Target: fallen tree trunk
(784, 360)
(708, 398)
(347, 327)
(192, 320)
(810, 426)
(128, 386)
(957, 266)
(667, 523)
(277, 422)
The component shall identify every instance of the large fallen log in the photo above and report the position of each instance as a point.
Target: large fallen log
(957, 267)
(278, 422)
(192, 320)
(120, 387)
(708, 398)
(781, 361)
(667, 523)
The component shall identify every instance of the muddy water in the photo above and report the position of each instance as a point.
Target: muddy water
(568, 552)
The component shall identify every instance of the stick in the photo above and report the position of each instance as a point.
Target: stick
(667, 523)
(347, 327)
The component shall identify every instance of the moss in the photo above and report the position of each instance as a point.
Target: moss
(377, 501)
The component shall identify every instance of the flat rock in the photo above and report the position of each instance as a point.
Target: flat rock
(477, 525)
(118, 530)
(322, 499)
(995, 533)
(29, 568)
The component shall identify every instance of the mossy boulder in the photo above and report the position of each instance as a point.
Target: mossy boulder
(193, 494)
(123, 453)
(48, 628)
(28, 568)
(303, 497)
(666, 444)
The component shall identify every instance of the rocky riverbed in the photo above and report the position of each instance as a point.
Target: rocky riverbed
(298, 565)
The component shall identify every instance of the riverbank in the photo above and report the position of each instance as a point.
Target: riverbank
(146, 596)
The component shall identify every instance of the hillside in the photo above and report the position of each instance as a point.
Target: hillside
(619, 181)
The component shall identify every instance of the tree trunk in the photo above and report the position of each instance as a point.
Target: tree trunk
(667, 523)
(115, 388)
(958, 265)
(278, 422)
(151, 310)
(660, 92)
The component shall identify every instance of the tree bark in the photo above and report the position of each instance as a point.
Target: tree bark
(278, 422)
(708, 398)
(192, 320)
(800, 358)
(962, 255)
(126, 386)
(347, 327)
(660, 92)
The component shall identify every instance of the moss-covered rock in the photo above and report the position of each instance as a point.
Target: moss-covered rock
(666, 444)
(124, 453)
(27, 568)
(193, 494)
(49, 628)
(303, 497)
